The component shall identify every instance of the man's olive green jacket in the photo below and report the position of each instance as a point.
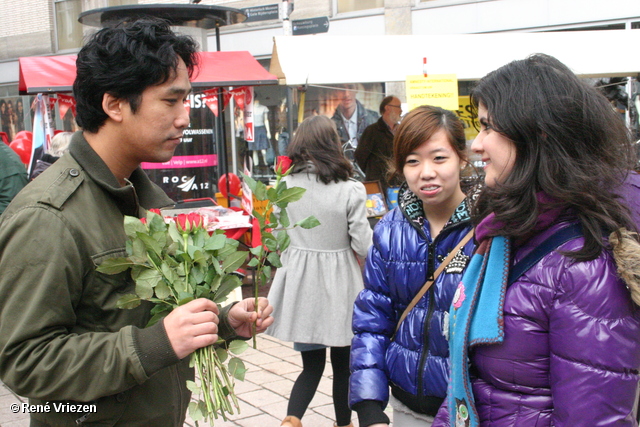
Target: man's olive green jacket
(62, 338)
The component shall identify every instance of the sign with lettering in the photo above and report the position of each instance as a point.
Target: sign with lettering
(261, 13)
(310, 26)
(440, 90)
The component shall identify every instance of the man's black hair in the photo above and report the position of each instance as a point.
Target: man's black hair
(125, 59)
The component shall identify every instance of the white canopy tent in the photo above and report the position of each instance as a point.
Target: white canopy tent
(324, 59)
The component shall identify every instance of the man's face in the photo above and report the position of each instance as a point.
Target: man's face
(348, 98)
(153, 132)
(393, 111)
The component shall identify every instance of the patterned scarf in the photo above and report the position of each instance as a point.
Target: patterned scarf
(477, 307)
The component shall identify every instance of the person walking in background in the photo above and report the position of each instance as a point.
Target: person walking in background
(313, 292)
(13, 175)
(426, 238)
(544, 332)
(375, 147)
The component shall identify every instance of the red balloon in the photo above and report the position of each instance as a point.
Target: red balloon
(234, 184)
(24, 134)
(21, 149)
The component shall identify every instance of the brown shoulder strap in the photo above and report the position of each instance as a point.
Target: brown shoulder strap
(428, 284)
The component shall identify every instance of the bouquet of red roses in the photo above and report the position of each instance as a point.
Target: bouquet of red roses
(174, 261)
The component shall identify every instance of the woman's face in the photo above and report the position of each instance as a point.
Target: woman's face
(498, 152)
(432, 172)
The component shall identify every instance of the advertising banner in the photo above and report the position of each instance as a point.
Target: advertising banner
(193, 170)
(440, 90)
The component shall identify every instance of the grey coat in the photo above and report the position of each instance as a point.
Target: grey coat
(313, 292)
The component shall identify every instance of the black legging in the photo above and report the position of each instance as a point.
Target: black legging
(305, 387)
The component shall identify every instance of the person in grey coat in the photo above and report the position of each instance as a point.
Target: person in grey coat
(313, 292)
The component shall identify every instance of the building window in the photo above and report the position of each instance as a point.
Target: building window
(354, 5)
(68, 29)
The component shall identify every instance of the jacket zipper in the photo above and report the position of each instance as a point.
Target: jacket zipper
(425, 331)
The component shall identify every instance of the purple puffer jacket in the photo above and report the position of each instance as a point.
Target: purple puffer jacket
(571, 352)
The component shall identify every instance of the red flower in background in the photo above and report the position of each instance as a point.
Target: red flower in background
(186, 223)
(283, 164)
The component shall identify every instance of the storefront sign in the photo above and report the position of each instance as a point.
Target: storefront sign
(440, 90)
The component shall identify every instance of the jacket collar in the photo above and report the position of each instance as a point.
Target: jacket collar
(413, 209)
(140, 192)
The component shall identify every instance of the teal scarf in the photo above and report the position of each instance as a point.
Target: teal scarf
(481, 290)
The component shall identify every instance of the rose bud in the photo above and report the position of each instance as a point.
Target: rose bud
(283, 163)
(183, 224)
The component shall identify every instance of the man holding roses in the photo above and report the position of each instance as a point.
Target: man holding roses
(62, 336)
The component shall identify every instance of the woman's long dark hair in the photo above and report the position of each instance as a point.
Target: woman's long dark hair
(317, 140)
(569, 143)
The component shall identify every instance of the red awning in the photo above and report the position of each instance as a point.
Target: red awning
(47, 74)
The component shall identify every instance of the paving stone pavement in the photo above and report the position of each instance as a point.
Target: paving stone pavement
(263, 395)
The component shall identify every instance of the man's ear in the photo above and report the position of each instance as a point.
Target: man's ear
(113, 106)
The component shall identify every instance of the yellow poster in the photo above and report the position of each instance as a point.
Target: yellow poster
(465, 114)
(440, 90)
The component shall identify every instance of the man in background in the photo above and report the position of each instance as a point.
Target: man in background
(350, 117)
(375, 147)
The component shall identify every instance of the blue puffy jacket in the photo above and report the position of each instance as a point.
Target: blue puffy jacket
(401, 259)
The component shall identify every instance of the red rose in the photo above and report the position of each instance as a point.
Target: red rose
(155, 211)
(186, 223)
(283, 164)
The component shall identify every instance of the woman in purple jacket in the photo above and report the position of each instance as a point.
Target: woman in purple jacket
(558, 345)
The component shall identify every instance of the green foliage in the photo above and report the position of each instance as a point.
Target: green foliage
(169, 269)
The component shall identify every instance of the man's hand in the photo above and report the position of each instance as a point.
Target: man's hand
(192, 326)
(243, 314)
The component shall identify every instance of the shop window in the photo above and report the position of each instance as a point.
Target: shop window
(355, 5)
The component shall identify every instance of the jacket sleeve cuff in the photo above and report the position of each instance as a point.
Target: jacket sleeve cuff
(154, 348)
(225, 330)
(370, 412)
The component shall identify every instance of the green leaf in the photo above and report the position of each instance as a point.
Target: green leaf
(151, 243)
(272, 194)
(230, 247)
(257, 251)
(174, 233)
(145, 282)
(251, 183)
(284, 218)
(283, 240)
(114, 265)
(215, 242)
(162, 290)
(161, 238)
(270, 241)
(290, 195)
(193, 387)
(168, 272)
(266, 274)
(253, 262)
(133, 225)
(138, 249)
(222, 354)
(260, 192)
(156, 223)
(274, 259)
(238, 346)
(234, 261)
(184, 298)
(128, 301)
(227, 285)
(195, 411)
(236, 368)
(308, 222)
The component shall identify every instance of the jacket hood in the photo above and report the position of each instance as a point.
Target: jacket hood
(626, 251)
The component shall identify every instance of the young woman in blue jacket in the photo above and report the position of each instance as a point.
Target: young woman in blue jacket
(409, 244)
